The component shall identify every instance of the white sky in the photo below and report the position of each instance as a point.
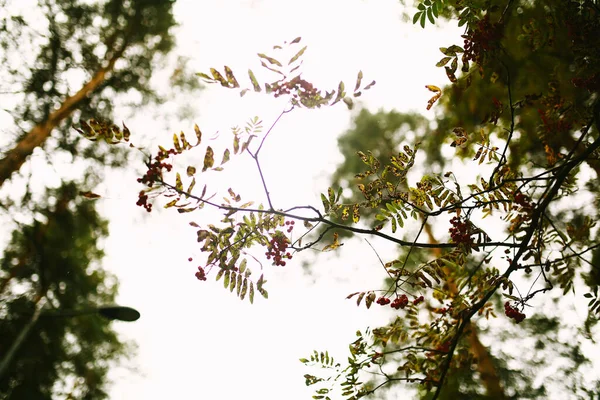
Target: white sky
(196, 340)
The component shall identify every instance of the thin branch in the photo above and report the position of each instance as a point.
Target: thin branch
(331, 223)
(255, 156)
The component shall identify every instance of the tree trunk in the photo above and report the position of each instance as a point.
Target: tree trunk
(17, 156)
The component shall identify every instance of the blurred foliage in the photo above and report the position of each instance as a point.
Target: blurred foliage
(64, 63)
(50, 52)
(57, 257)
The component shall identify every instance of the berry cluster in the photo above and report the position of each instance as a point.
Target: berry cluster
(277, 248)
(523, 201)
(201, 275)
(400, 302)
(481, 40)
(460, 232)
(513, 313)
(143, 201)
(290, 225)
(382, 301)
(152, 175)
(299, 86)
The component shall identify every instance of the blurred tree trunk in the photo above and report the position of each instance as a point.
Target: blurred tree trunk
(15, 157)
(485, 364)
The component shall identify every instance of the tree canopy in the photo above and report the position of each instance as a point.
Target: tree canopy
(65, 65)
(521, 113)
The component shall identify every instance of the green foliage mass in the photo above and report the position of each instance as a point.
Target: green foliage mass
(57, 256)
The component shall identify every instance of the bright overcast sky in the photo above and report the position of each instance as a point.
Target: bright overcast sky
(196, 340)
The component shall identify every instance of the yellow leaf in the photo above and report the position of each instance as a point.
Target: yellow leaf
(176, 143)
(436, 97)
(198, 134)
(178, 183)
(209, 159)
(333, 245)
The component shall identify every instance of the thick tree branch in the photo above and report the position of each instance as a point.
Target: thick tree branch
(16, 157)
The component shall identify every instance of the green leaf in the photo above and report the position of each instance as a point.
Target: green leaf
(270, 59)
(339, 194)
(239, 283)
(297, 55)
(430, 16)
(225, 156)
(231, 78)
(436, 7)
(176, 143)
(422, 21)
(226, 279)
(232, 281)
(370, 299)
(209, 159)
(220, 274)
(340, 93)
(325, 202)
(454, 65)
(219, 78)
(416, 17)
(251, 293)
(242, 266)
(443, 61)
(255, 84)
(198, 134)
(369, 85)
(171, 203)
(358, 81)
(455, 49)
(191, 186)
(244, 289)
(178, 183)
(205, 77)
(359, 298)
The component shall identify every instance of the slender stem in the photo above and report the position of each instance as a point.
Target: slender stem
(5, 363)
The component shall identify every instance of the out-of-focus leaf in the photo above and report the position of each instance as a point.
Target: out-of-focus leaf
(89, 195)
